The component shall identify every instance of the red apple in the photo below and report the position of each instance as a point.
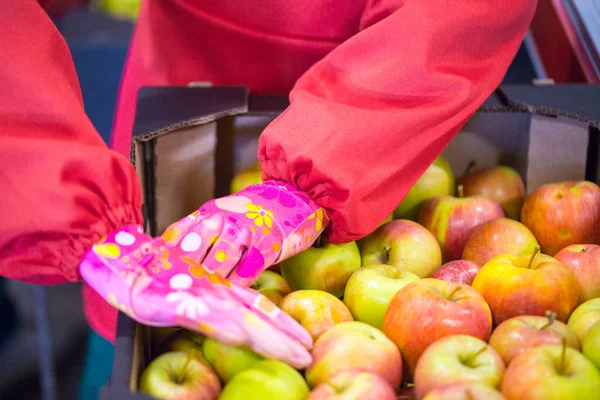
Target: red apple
(315, 310)
(465, 391)
(459, 271)
(500, 183)
(353, 384)
(455, 359)
(405, 244)
(516, 335)
(453, 219)
(498, 237)
(527, 285)
(562, 214)
(354, 345)
(427, 310)
(584, 262)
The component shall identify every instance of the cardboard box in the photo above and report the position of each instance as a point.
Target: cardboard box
(190, 141)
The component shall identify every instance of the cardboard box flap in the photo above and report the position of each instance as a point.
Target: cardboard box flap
(164, 109)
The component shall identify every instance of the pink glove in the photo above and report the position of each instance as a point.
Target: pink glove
(171, 280)
(241, 235)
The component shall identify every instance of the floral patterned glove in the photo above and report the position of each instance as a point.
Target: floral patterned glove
(176, 279)
(241, 235)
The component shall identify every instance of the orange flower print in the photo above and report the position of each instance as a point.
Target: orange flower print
(259, 215)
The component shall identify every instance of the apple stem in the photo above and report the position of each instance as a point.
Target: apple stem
(551, 315)
(470, 167)
(461, 191)
(563, 355)
(469, 361)
(456, 289)
(318, 242)
(469, 395)
(535, 253)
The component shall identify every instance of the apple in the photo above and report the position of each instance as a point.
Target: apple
(272, 285)
(499, 237)
(452, 220)
(247, 177)
(180, 375)
(551, 372)
(354, 345)
(405, 244)
(437, 180)
(500, 183)
(465, 391)
(353, 384)
(457, 359)
(591, 345)
(324, 266)
(361, 242)
(183, 340)
(459, 271)
(584, 262)
(244, 179)
(315, 310)
(562, 214)
(370, 290)
(227, 361)
(518, 334)
(527, 285)
(430, 309)
(266, 380)
(584, 317)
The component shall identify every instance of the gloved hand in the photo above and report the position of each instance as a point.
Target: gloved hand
(241, 235)
(176, 279)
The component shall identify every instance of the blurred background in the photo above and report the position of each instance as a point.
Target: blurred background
(563, 46)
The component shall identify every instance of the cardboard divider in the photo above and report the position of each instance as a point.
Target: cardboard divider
(185, 161)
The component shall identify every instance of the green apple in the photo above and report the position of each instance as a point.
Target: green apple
(324, 266)
(437, 180)
(370, 290)
(272, 285)
(315, 310)
(584, 317)
(551, 372)
(227, 361)
(179, 375)
(266, 380)
(591, 345)
(248, 176)
(457, 359)
(405, 244)
(183, 340)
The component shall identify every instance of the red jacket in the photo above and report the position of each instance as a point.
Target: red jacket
(379, 88)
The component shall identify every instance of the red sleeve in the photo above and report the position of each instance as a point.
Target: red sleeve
(62, 189)
(367, 120)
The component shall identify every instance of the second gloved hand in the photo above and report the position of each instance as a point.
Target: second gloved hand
(241, 235)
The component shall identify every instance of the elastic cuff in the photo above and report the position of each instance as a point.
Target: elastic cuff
(78, 245)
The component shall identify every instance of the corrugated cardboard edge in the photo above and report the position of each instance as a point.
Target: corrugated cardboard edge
(146, 137)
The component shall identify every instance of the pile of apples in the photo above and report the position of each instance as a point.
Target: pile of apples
(487, 294)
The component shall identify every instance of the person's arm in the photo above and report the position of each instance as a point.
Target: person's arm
(367, 120)
(62, 188)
